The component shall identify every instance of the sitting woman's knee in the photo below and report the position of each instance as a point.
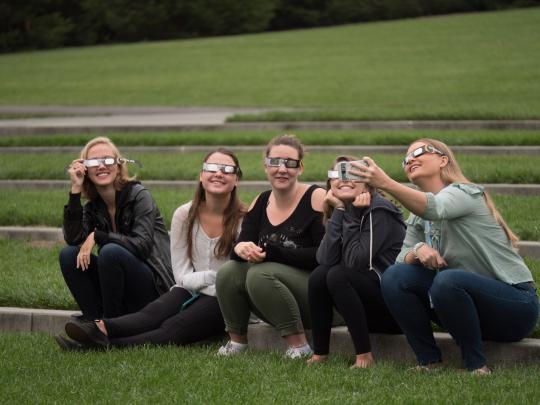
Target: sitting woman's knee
(68, 257)
(317, 278)
(336, 279)
(109, 254)
(393, 277)
(225, 274)
(443, 283)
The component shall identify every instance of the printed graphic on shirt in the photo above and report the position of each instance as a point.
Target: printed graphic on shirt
(285, 239)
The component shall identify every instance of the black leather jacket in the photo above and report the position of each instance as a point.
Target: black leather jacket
(139, 228)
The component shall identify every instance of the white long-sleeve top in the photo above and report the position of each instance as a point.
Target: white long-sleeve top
(198, 275)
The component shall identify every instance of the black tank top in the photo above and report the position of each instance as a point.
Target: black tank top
(296, 231)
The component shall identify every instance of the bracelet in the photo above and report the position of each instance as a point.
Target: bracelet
(415, 249)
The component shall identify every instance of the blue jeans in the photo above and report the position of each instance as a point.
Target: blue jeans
(116, 282)
(469, 306)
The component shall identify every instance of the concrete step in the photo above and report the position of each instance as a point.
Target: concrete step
(395, 347)
(337, 149)
(501, 188)
(43, 233)
(264, 337)
(213, 121)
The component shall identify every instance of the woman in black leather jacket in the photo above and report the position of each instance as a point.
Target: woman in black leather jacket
(133, 265)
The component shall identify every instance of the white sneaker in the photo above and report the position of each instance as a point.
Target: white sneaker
(232, 349)
(299, 352)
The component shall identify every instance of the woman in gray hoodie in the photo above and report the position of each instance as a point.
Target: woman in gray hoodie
(364, 234)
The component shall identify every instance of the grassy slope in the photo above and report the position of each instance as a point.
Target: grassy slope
(35, 370)
(24, 264)
(250, 137)
(164, 166)
(473, 65)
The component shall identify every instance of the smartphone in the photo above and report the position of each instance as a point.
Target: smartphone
(344, 169)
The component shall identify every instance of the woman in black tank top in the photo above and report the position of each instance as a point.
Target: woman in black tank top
(275, 253)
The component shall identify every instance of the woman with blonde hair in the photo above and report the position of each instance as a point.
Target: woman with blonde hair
(133, 264)
(203, 233)
(458, 265)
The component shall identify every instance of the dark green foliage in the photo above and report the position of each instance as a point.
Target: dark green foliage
(41, 24)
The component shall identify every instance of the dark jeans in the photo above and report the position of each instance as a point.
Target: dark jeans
(356, 294)
(116, 282)
(469, 306)
(162, 321)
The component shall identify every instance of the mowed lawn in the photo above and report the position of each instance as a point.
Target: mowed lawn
(34, 370)
(44, 208)
(480, 65)
(236, 137)
(170, 166)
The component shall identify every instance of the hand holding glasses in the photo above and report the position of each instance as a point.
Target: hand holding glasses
(109, 161)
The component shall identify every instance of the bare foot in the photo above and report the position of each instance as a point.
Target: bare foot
(364, 360)
(481, 371)
(101, 326)
(317, 359)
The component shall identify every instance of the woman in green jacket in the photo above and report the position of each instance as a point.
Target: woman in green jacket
(458, 265)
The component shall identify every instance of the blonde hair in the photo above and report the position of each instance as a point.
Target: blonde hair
(89, 190)
(451, 173)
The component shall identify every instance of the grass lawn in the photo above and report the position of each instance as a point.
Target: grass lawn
(164, 166)
(249, 137)
(478, 65)
(30, 276)
(34, 370)
(31, 207)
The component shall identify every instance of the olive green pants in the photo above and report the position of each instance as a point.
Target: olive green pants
(276, 293)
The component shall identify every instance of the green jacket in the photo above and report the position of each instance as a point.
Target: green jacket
(461, 228)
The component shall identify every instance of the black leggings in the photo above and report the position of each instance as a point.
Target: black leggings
(356, 294)
(162, 322)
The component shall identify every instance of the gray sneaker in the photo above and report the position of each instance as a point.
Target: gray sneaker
(299, 352)
(232, 349)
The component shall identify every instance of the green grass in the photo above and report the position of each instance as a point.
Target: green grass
(481, 65)
(164, 166)
(249, 137)
(45, 207)
(30, 277)
(35, 370)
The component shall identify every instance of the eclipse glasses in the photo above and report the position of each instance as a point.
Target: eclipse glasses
(214, 168)
(419, 152)
(277, 162)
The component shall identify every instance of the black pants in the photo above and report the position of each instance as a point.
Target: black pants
(116, 283)
(162, 322)
(356, 294)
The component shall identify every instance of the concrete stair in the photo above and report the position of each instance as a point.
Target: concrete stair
(264, 337)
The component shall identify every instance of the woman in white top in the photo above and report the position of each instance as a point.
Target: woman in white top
(203, 233)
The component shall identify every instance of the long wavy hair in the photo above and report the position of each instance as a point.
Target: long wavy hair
(234, 211)
(89, 190)
(451, 173)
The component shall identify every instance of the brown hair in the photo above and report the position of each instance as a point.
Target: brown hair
(235, 210)
(451, 173)
(327, 208)
(89, 190)
(287, 140)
